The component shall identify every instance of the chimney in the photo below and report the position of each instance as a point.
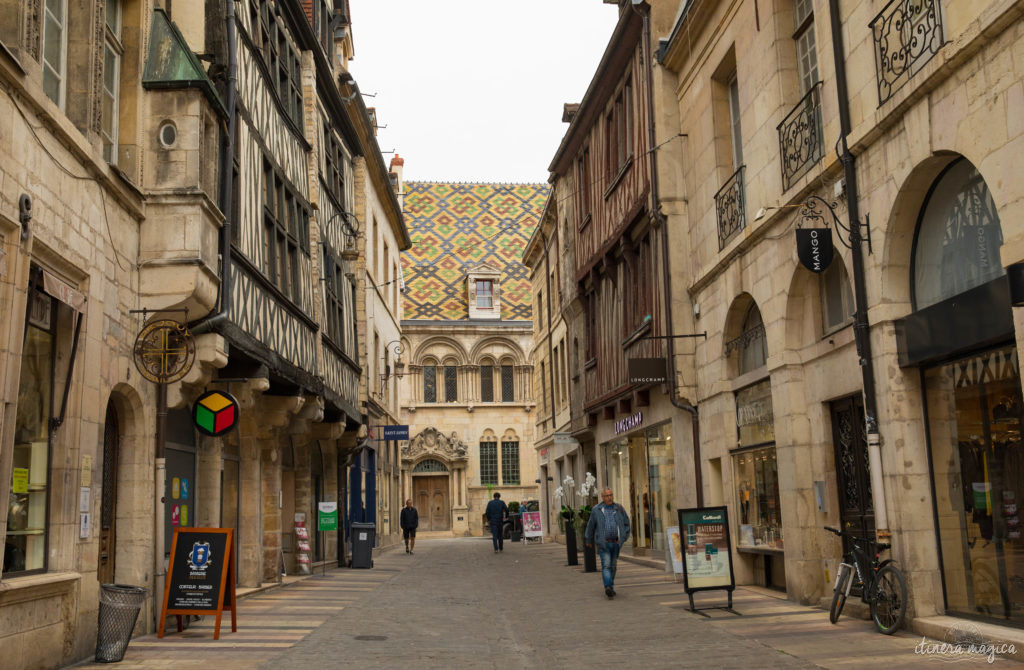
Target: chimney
(396, 168)
(569, 110)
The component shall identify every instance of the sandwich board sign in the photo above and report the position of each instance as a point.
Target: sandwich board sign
(200, 576)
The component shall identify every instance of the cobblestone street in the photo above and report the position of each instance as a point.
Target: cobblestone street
(455, 604)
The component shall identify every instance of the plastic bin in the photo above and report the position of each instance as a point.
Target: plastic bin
(363, 537)
(119, 609)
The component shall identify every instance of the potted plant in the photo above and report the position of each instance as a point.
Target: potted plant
(587, 491)
(566, 494)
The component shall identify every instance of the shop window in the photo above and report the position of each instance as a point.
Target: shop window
(429, 383)
(510, 463)
(836, 297)
(27, 522)
(488, 463)
(755, 469)
(956, 247)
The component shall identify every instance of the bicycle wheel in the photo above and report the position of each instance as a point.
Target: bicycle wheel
(839, 592)
(889, 600)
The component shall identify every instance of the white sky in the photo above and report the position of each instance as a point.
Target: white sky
(472, 90)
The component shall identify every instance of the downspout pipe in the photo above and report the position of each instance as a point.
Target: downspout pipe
(551, 353)
(659, 217)
(227, 182)
(861, 329)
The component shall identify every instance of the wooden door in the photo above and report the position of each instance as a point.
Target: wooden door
(108, 505)
(432, 503)
(853, 474)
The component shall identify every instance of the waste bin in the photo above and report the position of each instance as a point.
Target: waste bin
(119, 608)
(362, 544)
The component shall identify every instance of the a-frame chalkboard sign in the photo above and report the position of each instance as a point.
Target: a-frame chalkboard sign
(200, 576)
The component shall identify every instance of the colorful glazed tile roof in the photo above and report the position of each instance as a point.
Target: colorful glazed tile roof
(455, 226)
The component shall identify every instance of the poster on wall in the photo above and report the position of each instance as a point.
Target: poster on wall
(532, 525)
(707, 551)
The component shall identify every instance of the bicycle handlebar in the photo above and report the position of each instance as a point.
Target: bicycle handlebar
(840, 533)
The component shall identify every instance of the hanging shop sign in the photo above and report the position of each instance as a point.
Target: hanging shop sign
(707, 551)
(215, 413)
(394, 432)
(629, 423)
(164, 351)
(646, 370)
(200, 576)
(814, 248)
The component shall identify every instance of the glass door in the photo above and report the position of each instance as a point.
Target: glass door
(639, 492)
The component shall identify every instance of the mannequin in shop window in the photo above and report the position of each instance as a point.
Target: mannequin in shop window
(745, 501)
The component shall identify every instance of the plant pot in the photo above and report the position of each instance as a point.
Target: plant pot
(570, 543)
(589, 558)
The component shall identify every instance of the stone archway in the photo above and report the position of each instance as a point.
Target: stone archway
(433, 473)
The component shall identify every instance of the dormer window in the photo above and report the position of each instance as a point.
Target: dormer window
(484, 294)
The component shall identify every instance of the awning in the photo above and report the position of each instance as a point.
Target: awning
(61, 290)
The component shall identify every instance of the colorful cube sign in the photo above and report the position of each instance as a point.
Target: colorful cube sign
(215, 413)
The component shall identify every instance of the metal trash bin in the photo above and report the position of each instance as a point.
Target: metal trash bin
(119, 609)
(363, 537)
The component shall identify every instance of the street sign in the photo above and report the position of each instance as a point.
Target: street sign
(394, 432)
(328, 516)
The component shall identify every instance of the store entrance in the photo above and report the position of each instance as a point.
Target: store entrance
(431, 502)
(853, 478)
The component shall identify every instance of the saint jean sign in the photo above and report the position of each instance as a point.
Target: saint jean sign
(814, 248)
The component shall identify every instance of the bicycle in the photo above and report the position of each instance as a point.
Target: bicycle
(880, 584)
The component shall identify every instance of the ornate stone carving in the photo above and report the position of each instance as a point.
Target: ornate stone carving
(33, 11)
(97, 68)
(433, 442)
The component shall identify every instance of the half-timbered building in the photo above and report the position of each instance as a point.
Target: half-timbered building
(626, 424)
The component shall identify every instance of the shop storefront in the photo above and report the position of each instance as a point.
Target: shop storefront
(756, 477)
(640, 469)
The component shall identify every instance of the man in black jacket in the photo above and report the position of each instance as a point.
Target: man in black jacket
(496, 513)
(409, 520)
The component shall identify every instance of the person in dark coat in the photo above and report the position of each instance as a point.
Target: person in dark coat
(409, 519)
(496, 513)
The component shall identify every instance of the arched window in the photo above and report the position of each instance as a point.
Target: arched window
(956, 247)
(836, 297)
(430, 382)
(451, 384)
(510, 459)
(508, 392)
(487, 380)
(488, 458)
(430, 465)
(752, 343)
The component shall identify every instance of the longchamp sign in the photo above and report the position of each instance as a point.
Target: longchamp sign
(629, 423)
(646, 370)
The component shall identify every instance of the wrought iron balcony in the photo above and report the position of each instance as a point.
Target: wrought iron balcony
(730, 207)
(801, 142)
(907, 34)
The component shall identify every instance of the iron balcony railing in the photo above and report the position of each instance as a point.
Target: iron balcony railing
(729, 205)
(907, 34)
(801, 142)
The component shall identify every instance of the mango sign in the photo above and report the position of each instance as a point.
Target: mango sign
(215, 413)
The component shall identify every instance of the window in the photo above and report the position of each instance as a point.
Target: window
(556, 388)
(806, 52)
(27, 527)
(540, 308)
(735, 133)
(55, 45)
(619, 130)
(583, 174)
(429, 383)
(836, 297)
(451, 386)
(488, 463)
(323, 27)
(543, 392)
(591, 317)
(334, 297)
(510, 463)
(286, 233)
(757, 477)
(751, 343)
(484, 294)
(334, 166)
(638, 286)
(507, 384)
(112, 52)
(956, 247)
(486, 383)
(279, 57)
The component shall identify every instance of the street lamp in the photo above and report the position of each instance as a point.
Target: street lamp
(399, 370)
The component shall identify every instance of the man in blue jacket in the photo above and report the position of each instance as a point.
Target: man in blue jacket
(496, 512)
(609, 523)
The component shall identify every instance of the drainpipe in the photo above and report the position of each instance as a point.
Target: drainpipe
(659, 218)
(861, 329)
(551, 355)
(227, 182)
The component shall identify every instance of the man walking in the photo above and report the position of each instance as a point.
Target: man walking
(609, 523)
(409, 519)
(496, 512)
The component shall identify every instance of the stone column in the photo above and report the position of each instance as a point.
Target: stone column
(250, 556)
(209, 466)
(270, 489)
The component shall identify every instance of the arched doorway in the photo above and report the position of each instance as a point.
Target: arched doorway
(431, 487)
(108, 504)
(961, 336)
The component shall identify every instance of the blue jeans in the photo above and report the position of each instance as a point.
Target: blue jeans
(496, 536)
(609, 553)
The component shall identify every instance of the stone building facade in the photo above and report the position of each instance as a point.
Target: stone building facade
(768, 101)
(467, 394)
(142, 184)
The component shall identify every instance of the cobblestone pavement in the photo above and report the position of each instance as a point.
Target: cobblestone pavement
(456, 604)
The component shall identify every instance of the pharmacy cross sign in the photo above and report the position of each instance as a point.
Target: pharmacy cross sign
(215, 413)
(164, 351)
